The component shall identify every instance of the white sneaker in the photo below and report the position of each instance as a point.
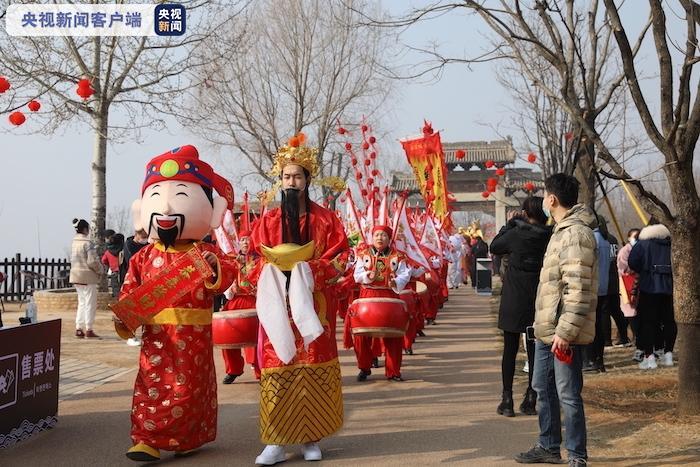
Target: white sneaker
(133, 341)
(667, 359)
(311, 452)
(638, 355)
(271, 455)
(659, 353)
(648, 363)
(526, 367)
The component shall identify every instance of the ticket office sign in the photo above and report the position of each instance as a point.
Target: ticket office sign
(29, 364)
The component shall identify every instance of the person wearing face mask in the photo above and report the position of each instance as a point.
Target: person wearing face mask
(565, 315)
(628, 290)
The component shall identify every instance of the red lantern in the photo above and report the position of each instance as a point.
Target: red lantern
(348, 146)
(367, 162)
(500, 172)
(492, 181)
(17, 118)
(485, 194)
(342, 130)
(364, 128)
(365, 145)
(459, 154)
(353, 161)
(372, 140)
(85, 89)
(569, 136)
(491, 188)
(531, 158)
(489, 163)
(529, 186)
(34, 106)
(4, 84)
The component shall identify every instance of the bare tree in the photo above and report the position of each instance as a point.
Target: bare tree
(301, 66)
(133, 79)
(578, 46)
(119, 219)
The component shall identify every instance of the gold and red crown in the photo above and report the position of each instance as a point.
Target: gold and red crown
(295, 152)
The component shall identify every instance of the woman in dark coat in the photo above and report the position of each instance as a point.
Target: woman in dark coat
(524, 239)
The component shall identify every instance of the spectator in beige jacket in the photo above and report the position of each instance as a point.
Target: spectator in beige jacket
(565, 314)
(85, 270)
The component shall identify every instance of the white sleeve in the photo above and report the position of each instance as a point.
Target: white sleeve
(417, 272)
(360, 275)
(403, 275)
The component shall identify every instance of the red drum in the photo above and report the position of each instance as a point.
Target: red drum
(235, 329)
(421, 289)
(378, 317)
(409, 298)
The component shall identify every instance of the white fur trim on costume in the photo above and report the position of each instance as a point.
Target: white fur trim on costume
(659, 231)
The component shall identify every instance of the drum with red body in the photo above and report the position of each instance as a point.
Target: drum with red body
(378, 317)
(409, 298)
(235, 329)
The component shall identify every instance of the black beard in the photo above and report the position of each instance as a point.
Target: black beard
(167, 236)
(290, 216)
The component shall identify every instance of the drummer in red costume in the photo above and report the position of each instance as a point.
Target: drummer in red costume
(381, 273)
(304, 250)
(174, 404)
(243, 293)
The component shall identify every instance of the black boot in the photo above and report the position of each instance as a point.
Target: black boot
(505, 408)
(529, 402)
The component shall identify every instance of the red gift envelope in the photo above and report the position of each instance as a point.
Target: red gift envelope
(172, 282)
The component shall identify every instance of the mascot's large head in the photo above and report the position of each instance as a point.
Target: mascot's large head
(177, 202)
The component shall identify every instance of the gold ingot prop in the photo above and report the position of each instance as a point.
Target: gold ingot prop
(286, 255)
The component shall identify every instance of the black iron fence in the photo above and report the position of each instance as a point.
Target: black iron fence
(19, 277)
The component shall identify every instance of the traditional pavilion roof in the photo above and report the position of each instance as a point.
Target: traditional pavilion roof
(478, 152)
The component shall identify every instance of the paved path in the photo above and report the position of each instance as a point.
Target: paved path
(79, 376)
(443, 414)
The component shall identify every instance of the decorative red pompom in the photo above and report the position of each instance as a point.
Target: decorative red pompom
(375, 172)
(485, 194)
(368, 162)
(372, 155)
(531, 158)
(358, 176)
(4, 84)
(364, 192)
(348, 146)
(364, 128)
(459, 154)
(370, 181)
(372, 140)
(17, 118)
(489, 163)
(342, 130)
(500, 172)
(365, 145)
(34, 106)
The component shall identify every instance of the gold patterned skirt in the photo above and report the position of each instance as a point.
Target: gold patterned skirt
(300, 403)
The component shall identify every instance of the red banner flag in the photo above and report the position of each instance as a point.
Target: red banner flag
(168, 286)
(426, 158)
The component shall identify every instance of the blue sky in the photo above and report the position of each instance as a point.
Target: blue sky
(46, 178)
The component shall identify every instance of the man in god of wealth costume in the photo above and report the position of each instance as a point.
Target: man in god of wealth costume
(304, 249)
(169, 290)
